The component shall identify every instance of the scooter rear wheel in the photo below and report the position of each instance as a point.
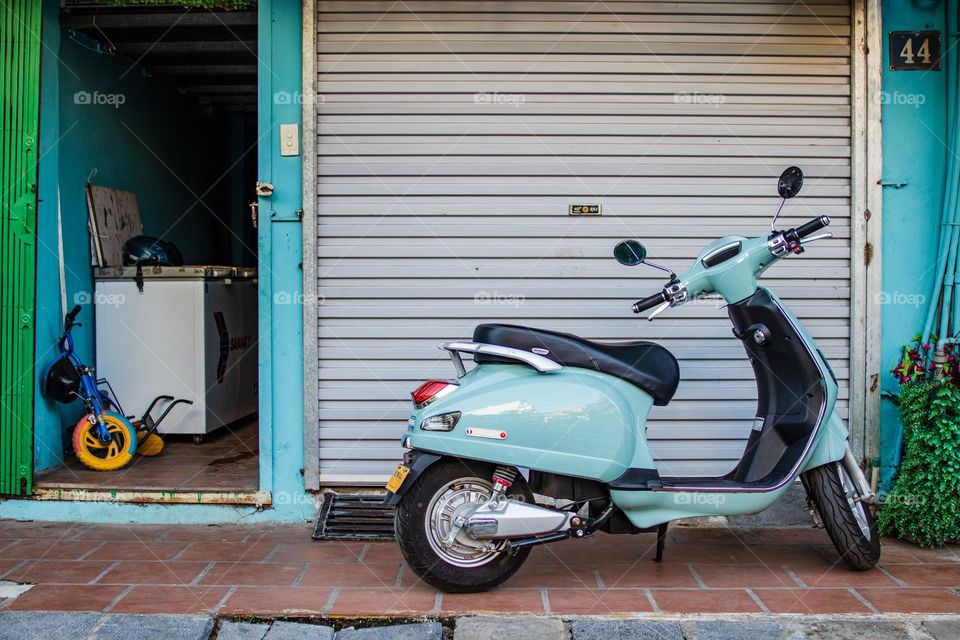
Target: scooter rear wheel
(422, 521)
(846, 518)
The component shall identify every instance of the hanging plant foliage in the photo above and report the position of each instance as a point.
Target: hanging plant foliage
(924, 505)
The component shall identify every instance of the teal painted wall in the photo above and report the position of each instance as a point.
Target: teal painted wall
(914, 153)
(139, 134)
(47, 439)
(280, 250)
(279, 243)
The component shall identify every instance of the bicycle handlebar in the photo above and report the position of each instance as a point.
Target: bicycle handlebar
(73, 314)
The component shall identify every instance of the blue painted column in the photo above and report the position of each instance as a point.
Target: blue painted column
(914, 164)
(280, 255)
(47, 430)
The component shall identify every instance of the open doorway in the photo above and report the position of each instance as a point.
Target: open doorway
(158, 139)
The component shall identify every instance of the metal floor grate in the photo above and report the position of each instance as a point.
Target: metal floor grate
(354, 517)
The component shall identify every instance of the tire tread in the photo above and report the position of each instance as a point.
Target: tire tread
(825, 489)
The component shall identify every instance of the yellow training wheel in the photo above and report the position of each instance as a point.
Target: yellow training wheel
(149, 445)
(97, 456)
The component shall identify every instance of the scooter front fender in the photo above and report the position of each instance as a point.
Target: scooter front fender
(831, 443)
(574, 422)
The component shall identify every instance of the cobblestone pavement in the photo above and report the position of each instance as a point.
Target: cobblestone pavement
(31, 625)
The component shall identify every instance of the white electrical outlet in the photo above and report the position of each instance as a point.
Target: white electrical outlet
(289, 140)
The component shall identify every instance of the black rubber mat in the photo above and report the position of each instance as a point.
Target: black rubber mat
(354, 517)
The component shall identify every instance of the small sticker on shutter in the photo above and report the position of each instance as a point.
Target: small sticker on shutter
(758, 423)
(585, 210)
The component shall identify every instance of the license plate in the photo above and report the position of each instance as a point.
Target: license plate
(399, 475)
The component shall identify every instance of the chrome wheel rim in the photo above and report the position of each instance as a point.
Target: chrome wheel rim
(853, 499)
(451, 500)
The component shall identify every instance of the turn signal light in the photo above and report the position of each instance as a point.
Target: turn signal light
(441, 422)
(431, 391)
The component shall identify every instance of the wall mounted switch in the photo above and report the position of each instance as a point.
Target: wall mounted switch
(289, 140)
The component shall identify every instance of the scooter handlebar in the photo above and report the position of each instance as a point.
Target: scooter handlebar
(649, 302)
(791, 238)
(811, 227)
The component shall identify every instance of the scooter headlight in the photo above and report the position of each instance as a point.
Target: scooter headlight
(441, 422)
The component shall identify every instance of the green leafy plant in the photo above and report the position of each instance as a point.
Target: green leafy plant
(202, 4)
(924, 505)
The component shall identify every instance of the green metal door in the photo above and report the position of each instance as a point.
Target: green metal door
(19, 90)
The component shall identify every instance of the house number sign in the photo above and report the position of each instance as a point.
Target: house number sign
(915, 50)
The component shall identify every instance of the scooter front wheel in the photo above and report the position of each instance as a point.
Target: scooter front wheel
(845, 516)
(424, 516)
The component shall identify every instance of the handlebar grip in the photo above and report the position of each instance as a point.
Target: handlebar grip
(73, 313)
(813, 226)
(649, 302)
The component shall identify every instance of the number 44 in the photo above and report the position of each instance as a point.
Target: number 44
(923, 52)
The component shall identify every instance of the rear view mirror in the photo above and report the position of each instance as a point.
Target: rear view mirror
(791, 180)
(630, 253)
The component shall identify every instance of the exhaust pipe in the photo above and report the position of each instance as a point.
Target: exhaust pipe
(515, 519)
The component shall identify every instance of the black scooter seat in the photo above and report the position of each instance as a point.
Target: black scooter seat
(643, 364)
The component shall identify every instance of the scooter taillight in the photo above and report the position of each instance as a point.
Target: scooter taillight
(431, 391)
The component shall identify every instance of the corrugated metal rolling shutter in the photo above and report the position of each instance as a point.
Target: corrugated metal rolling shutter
(452, 137)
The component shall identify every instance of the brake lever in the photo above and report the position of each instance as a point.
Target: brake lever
(819, 236)
(663, 307)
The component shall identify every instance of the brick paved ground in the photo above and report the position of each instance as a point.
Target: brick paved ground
(276, 570)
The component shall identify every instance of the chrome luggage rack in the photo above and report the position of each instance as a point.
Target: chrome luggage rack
(538, 362)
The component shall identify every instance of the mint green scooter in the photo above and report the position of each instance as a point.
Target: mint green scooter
(545, 438)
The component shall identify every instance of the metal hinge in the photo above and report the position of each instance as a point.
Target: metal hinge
(893, 184)
(296, 217)
(22, 216)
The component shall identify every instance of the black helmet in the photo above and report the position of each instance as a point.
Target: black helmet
(61, 381)
(147, 250)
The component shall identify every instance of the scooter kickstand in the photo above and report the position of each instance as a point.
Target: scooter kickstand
(661, 541)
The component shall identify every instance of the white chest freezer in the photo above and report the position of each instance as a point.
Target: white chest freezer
(191, 333)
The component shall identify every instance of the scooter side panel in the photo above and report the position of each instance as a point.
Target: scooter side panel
(650, 508)
(574, 422)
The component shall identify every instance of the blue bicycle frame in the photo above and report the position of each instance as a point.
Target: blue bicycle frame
(93, 397)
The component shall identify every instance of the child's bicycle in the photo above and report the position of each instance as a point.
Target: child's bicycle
(104, 439)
